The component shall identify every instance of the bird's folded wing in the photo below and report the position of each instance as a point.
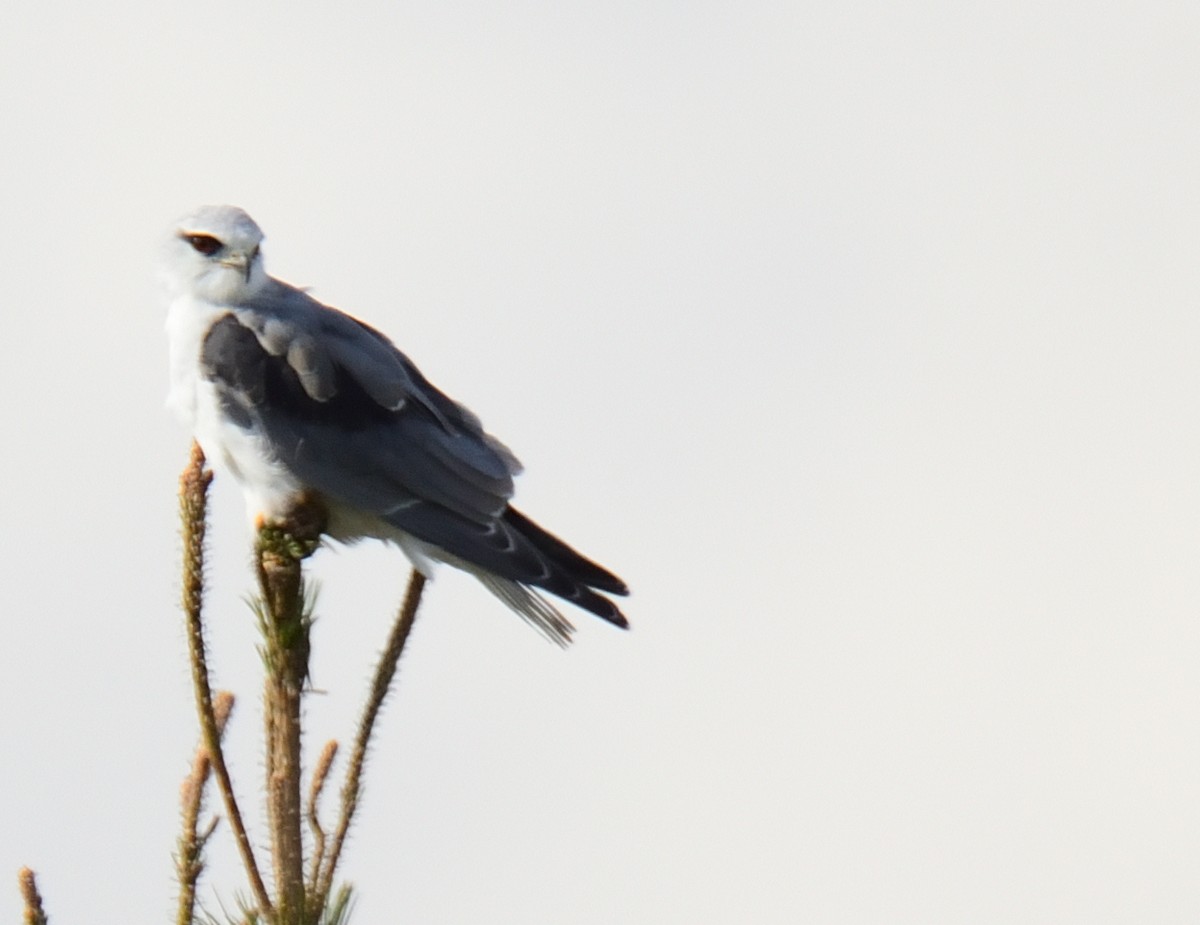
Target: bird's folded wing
(350, 415)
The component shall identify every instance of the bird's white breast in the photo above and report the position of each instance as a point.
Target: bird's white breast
(270, 488)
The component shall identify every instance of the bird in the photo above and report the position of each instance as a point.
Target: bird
(303, 403)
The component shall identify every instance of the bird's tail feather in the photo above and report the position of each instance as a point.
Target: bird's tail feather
(511, 558)
(578, 566)
(535, 609)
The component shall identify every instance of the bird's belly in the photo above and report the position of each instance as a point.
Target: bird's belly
(270, 488)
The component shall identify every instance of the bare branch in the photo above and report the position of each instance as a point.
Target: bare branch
(189, 861)
(34, 913)
(280, 552)
(193, 491)
(380, 685)
(320, 776)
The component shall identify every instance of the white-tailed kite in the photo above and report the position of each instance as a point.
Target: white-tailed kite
(299, 400)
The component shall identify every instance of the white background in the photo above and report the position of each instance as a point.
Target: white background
(861, 339)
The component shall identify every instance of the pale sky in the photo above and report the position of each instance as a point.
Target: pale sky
(861, 339)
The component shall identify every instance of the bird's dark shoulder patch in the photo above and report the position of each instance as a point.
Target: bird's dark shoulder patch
(232, 356)
(253, 382)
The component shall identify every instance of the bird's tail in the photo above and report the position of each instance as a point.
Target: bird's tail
(515, 559)
(535, 609)
(570, 575)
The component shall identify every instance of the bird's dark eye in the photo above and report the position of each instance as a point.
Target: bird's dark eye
(205, 244)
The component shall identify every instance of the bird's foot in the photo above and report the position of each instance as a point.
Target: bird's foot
(298, 534)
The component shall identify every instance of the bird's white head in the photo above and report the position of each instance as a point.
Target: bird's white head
(213, 254)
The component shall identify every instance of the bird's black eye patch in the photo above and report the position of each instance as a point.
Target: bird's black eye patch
(205, 244)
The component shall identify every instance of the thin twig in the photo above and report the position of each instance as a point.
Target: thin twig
(320, 776)
(381, 684)
(189, 862)
(193, 489)
(34, 913)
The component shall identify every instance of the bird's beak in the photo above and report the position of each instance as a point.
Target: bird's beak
(239, 262)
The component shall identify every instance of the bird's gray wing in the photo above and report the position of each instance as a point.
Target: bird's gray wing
(349, 414)
(354, 420)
